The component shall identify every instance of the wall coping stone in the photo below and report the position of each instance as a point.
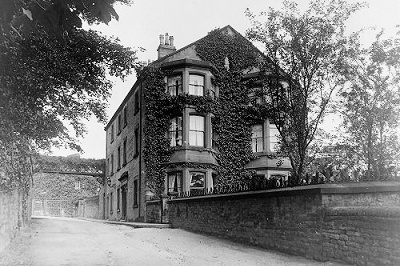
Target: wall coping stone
(378, 211)
(339, 188)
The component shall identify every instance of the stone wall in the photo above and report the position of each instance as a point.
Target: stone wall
(89, 208)
(356, 223)
(11, 219)
(153, 211)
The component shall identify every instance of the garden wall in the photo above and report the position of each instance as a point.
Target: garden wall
(357, 223)
(11, 216)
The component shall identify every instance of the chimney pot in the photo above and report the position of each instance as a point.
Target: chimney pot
(171, 40)
(161, 39)
(166, 39)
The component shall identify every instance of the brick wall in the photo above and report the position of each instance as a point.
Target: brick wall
(351, 223)
(10, 216)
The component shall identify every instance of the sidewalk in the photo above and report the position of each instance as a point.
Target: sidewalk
(132, 224)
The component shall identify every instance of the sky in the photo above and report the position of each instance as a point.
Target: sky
(141, 23)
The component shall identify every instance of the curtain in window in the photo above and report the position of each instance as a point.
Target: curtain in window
(257, 138)
(175, 85)
(175, 182)
(196, 85)
(196, 131)
(175, 131)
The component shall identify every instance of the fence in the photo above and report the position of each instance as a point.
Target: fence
(52, 207)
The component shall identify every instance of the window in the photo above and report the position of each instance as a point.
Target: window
(111, 203)
(77, 184)
(212, 90)
(119, 158)
(112, 164)
(124, 153)
(137, 138)
(196, 131)
(175, 182)
(257, 138)
(196, 85)
(108, 165)
(273, 138)
(119, 124)
(197, 180)
(118, 194)
(135, 193)
(255, 96)
(175, 131)
(137, 101)
(112, 133)
(125, 117)
(174, 85)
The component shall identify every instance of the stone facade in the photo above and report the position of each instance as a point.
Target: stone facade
(354, 223)
(89, 208)
(11, 217)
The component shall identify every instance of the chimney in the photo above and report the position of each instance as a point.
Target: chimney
(166, 46)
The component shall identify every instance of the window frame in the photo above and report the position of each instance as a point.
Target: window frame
(137, 142)
(190, 180)
(112, 164)
(118, 158)
(136, 100)
(119, 124)
(135, 194)
(124, 152)
(257, 138)
(178, 87)
(196, 131)
(178, 181)
(112, 133)
(125, 113)
(175, 132)
(195, 85)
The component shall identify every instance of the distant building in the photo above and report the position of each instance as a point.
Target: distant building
(125, 193)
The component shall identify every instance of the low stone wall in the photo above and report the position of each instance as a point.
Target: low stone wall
(357, 223)
(89, 208)
(10, 216)
(153, 211)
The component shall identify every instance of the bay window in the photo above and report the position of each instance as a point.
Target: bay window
(196, 130)
(174, 85)
(175, 131)
(196, 85)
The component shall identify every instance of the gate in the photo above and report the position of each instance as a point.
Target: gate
(59, 208)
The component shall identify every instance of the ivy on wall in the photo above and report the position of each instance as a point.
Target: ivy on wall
(232, 120)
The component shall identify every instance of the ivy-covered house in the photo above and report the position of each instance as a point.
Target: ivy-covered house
(195, 121)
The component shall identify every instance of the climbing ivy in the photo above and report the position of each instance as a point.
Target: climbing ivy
(232, 120)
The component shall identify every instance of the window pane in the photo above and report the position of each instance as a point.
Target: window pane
(196, 132)
(197, 180)
(175, 131)
(175, 85)
(273, 138)
(175, 182)
(196, 85)
(257, 138)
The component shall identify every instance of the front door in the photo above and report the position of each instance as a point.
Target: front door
(124, 191)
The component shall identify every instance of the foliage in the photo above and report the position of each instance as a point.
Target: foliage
(305, 51)
(371, 105)
(46, 80)
(61, 186)
(231, 122)
(57, 17)
(232, 116)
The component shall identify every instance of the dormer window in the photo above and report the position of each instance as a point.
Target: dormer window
(196, 85)
(174, 85)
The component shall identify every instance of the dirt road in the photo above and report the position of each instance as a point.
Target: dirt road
(77, 242)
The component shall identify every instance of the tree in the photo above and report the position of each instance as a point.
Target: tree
(371, 105)
(52, 72)
(304, 54)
